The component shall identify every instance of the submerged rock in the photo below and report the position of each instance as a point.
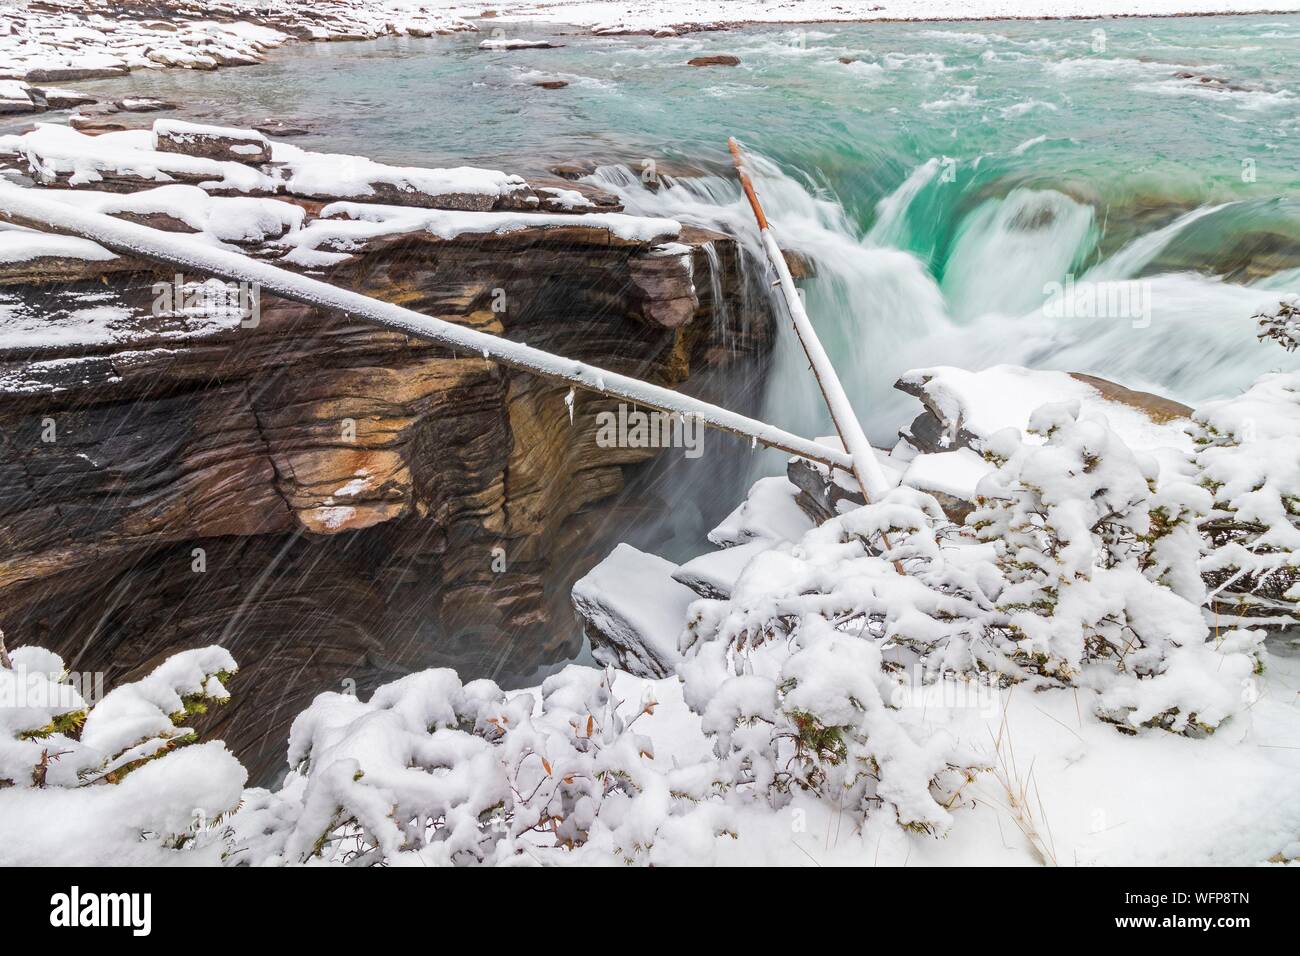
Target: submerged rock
(280, 128)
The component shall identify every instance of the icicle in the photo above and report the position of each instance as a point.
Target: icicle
(568, 401)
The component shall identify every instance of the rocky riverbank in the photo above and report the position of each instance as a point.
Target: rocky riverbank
(54, 41)
(184, 465)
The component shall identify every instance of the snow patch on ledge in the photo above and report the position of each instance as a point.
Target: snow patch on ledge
(340, 174)
(327, 240)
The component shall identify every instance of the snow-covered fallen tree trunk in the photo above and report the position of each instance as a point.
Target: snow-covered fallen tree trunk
(27, 207)
(865, 467)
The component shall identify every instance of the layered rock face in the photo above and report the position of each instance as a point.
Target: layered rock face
(334, 503)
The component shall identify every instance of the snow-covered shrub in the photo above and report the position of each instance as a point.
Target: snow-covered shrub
(1076, 569)
(115, 782)
(1248, 457)
(1282, 324)
(1098, 569)
(433, 771)
(793, 674)
(1071, 521)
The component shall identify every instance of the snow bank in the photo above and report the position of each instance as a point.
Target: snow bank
(90, 39)
(1005, 396)
(606, 17)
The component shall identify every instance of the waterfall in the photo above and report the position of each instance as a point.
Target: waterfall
(1008, 250)
(880, 310)
(721, 308)
(891, 226)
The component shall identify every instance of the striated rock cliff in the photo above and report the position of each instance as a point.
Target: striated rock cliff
(334, 503)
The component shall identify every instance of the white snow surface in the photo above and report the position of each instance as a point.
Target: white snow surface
(345, 226)
(1005, 396)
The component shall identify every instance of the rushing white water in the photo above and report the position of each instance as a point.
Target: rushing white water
(880, 310)
(1008, 249)
(890, 228)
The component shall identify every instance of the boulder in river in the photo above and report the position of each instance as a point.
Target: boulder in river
(574, 169)
(518, 44)
(67, 74)
(717, 59)
(60, 99)
(142, 104)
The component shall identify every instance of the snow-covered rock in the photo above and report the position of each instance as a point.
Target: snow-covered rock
(633, 611)
(714, 574)
(211, 142)
(16, 97)
(770, 511)
(969, 406)
(516, 43)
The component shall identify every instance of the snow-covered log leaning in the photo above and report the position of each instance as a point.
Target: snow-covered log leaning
(26, 207)
(865, 467)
